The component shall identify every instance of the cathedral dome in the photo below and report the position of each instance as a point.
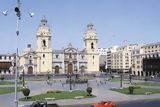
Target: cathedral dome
(28, 49)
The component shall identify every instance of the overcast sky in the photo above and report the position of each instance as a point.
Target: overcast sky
(134, 21)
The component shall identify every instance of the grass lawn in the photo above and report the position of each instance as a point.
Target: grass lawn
(58, 95)
(139, 91)
(6, 90)
(6, 82)
(147, 83)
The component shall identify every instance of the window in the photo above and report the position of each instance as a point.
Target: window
(138, 67)
(43, 55)
(44, 43)
(92, 45)
(43, 62)
(70, 55)
(93, 56)
(57, 56)
(82, 57)
(5, 57)
(0, 57)
(30, 61)
(9, 57)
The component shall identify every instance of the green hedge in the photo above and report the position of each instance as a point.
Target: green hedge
(81, 81)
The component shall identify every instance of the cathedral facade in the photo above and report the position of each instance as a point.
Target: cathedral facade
(67, 60)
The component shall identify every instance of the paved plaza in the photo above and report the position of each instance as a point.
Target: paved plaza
(100, 90)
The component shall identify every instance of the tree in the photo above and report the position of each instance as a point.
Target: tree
(89, 91)
(26, 92)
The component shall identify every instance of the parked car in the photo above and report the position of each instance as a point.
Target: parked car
(105, 103)
(42, 104)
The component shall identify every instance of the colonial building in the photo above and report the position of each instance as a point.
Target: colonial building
(67, 60)
(146, 60)
(6, 61)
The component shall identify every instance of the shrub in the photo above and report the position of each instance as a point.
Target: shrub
(25, 91)
(2, 78)
(145, 79)
(20, 78)
(131, 89)
(78, 81)
(54, 91)
(89, 91)
(112, 76)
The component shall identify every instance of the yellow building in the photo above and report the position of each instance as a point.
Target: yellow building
(68, 60)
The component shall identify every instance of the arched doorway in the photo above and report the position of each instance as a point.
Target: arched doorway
(30, 70)
(70, 68)
(141, 73)
(138, 73)
(56, 69)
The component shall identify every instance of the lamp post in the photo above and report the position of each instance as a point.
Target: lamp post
(130, 76)
(70, 81)
(18, 14)
(121, 77)
(23, 81)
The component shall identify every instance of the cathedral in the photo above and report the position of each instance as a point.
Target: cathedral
(67, 60)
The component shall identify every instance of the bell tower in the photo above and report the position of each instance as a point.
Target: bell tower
(90, 45)
(90, 39)
(43, 47)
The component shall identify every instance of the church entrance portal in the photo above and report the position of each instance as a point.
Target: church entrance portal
(30, 70)
(70, 68)
(56, 69)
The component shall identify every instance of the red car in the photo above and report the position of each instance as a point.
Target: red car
(106, 103)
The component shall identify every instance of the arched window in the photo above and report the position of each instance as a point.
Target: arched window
(138, 73)
(43, 55)
(70, 55)
(92, 45)
(44, 43)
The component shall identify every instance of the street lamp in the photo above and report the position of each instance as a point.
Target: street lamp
(70, 81)
(130, 76)
(121, 77)
(18, 14)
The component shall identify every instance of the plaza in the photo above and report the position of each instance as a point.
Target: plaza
(101, 89)
(110, 48)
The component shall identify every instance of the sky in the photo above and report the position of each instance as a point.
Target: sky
(115, 21)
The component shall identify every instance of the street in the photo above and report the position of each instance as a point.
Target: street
(137, 103)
